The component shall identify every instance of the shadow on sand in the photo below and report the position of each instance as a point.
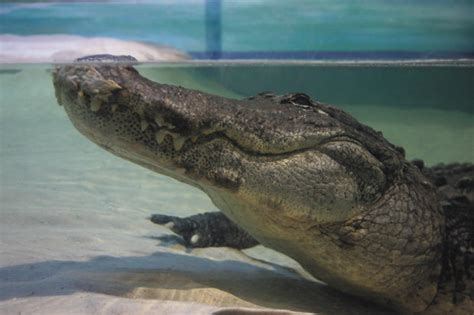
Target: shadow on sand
(173, 276)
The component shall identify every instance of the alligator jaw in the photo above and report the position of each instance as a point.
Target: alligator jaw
(116, 108)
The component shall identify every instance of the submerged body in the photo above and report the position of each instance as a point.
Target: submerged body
(301, 177)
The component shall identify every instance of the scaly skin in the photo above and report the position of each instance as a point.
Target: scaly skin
(298, 176)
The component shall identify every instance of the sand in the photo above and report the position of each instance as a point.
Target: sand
(66, 48)
(74, 238)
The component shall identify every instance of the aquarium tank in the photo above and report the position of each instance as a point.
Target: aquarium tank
(75, 232)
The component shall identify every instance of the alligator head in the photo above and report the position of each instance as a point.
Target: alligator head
(301, 177)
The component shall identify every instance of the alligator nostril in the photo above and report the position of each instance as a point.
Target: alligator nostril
(301, 99)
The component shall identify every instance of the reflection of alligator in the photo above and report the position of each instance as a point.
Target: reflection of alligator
(298, 176)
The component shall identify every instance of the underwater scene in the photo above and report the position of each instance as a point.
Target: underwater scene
(92, 206)
(75, 229)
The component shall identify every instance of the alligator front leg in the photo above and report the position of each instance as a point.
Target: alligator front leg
(210, 229)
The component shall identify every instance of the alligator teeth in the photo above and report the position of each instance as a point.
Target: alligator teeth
(194, 138)
(178, 142)
(143, 125)
(113, 108)
(160, 136)
(81, 97)
(160, 121)
(112, 85)
(95, 105)
(92, 73)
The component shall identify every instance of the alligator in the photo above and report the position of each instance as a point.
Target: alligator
(293, 174)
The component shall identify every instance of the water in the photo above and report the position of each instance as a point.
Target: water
(62, 198)
(260, 25)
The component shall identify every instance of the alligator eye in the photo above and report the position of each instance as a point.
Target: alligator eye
(297, 99)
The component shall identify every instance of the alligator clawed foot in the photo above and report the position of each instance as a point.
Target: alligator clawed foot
(187, 228)
(210, 229)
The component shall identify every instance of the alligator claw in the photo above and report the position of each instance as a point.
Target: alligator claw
(175, 224)
(209, 229)
(184, 227)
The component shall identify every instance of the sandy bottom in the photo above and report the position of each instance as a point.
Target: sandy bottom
(74, 238)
